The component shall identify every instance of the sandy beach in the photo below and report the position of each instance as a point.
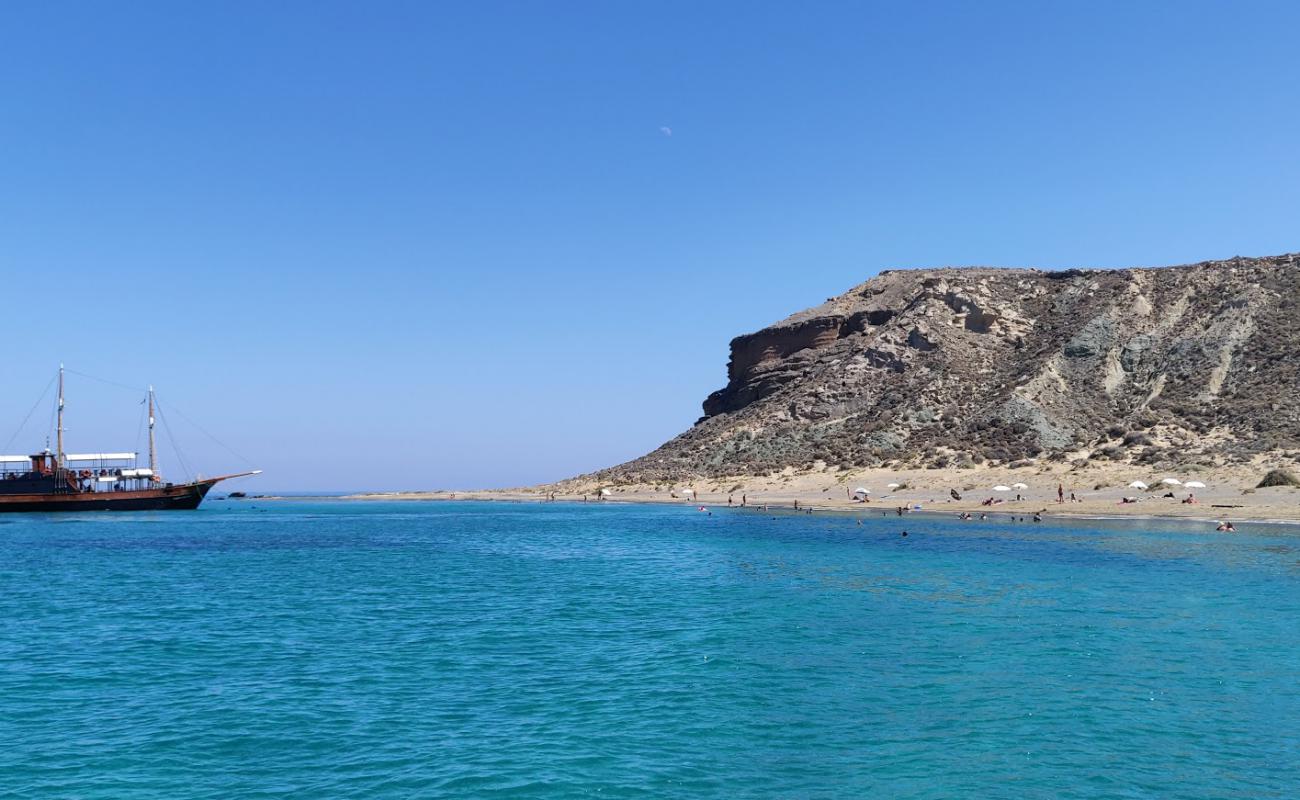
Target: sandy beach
(1098, 491)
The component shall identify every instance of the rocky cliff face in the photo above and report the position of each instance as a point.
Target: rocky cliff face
(949, 367)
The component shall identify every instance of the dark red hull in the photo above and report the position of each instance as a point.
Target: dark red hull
(181, 497)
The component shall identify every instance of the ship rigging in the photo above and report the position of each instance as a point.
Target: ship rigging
(110, 481)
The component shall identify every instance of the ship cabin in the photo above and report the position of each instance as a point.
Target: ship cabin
(81, 472)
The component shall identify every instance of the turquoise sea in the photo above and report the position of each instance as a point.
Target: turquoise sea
(337, 649)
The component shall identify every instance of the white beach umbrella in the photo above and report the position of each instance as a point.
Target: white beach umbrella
(1171, 481)
(1001, 488)
(606, 492)
(688, 491)
(861, 490)
(1138, 485)
(1019, 486)
(893, 485)
(1194, 485)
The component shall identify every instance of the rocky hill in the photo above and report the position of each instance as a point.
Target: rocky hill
(954, 367)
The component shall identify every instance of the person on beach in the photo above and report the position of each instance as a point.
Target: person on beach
(1060, 493)
(728, 500)
(1191, 499)
(796, 505)
(742, 500)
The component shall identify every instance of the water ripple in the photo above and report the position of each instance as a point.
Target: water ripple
(487, 650)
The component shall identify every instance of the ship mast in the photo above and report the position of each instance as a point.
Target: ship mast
(153, 454)
(59, 431)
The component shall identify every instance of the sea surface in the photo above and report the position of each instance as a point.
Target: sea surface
(344, 649)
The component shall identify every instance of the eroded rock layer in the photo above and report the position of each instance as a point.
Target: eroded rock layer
(945, 367)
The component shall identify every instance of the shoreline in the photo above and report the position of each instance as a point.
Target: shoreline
(871, 509)
(1101, 492)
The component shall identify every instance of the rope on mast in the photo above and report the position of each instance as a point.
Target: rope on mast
(228, 448)
(135, 389)
(35, 406)
(180, 459)
(139, 428)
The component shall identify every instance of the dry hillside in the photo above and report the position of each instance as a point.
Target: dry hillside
(1190, 365)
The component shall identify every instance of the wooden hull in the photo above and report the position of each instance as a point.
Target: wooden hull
(181, 497)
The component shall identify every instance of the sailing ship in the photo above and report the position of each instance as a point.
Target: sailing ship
(54, 480)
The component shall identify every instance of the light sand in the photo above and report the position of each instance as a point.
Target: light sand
(1229, 492)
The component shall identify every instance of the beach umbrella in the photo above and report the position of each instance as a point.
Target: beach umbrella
(893, 485)
(1019, 486)
(1001, 488)
(605, 492)
(861, 490)
(688, 491)
(1194, 485)
(1171, 481)
(1138, 485)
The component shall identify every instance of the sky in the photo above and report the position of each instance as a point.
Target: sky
(403, 245)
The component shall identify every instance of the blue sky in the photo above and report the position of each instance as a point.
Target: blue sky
(406, 245)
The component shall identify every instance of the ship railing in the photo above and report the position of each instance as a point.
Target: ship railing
(15, 465)
(121, 480)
